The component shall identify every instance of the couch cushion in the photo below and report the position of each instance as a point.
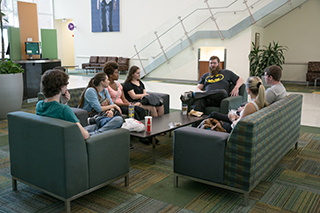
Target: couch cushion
(102, 59)
(94, 59)
(75, 96)
(314, 66)
(112, 58)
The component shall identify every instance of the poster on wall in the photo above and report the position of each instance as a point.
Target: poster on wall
(105, 15)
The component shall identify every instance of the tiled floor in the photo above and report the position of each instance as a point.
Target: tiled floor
(310, 106)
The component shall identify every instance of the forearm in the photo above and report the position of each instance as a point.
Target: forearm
(239, 83)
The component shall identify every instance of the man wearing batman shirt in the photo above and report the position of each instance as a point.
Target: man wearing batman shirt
(214, 86)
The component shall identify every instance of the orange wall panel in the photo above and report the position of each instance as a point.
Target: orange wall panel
(28, 21)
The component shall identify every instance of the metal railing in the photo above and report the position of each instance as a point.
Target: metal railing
(175, 31)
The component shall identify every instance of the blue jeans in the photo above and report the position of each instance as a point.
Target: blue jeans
(104, 124)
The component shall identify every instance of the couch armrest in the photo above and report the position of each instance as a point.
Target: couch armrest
(230, 103)
(108, 155)
(199, 153)
(81, 114)
(166, 100)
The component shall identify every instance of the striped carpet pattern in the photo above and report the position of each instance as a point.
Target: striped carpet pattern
(293, 185)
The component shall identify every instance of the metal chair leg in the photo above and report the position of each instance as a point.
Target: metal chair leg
(14, 184)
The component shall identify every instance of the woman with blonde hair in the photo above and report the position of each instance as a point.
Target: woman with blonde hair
(256, 91)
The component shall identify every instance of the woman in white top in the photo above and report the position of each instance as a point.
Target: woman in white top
(256, 91)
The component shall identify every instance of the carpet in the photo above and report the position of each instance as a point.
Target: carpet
(292, 186)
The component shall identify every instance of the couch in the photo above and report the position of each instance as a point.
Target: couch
(83, 115)
(239, 160)
(226, 104)
(313, 72)
(99, 61)
(51, 155)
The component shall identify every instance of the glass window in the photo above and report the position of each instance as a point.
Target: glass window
(45, 21)
(6, 5)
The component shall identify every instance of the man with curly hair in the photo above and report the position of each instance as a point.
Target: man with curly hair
(54, 86)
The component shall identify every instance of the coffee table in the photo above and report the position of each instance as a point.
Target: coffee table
(161, 124)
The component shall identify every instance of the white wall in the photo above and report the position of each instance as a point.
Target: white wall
(184, 66)
(299, 30)
(137, 18)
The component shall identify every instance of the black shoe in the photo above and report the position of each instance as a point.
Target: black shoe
(131, 146)
(91, 120)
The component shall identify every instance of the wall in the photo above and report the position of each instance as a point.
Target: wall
(184, 66)
(299, 30)
(65, 42)
(137, 18)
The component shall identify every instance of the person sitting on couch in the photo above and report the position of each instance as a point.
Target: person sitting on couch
(277, 91)
(134, 91)
(96, 100)
(54, 86)
(116, 92)
(256, 91)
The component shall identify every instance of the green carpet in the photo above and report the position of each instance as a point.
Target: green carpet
(292, 186)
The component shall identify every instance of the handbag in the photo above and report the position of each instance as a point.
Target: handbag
(152, 99)
(212, 124)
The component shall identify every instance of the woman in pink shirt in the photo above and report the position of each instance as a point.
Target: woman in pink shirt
(116, 91)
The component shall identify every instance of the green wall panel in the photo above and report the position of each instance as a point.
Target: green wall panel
(15, 43)
(49, 45)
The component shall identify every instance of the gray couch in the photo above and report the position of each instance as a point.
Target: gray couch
(239, 160)
(52, 156)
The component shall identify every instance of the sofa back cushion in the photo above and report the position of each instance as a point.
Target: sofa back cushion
(94, 59)
(314, 66)
(112, 58)
(75, 96)
(102, 59)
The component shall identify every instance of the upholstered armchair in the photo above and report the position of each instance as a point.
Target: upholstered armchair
(226, 104)
(313, 72)
(51, 155)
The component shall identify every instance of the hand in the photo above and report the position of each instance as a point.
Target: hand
(233, 117)
(65, 97)
(109, 114)
(234, 92)
(137, 104)
(240, 109)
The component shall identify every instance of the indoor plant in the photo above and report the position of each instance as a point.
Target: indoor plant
(262, 58)
(11, 81)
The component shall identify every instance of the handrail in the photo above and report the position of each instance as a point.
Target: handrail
(188, 15)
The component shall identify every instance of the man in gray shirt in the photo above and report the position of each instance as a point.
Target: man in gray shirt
(272, 75)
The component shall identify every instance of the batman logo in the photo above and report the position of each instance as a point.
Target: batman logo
(214, 79)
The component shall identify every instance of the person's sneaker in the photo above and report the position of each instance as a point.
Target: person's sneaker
(91, 120)
(186, 96)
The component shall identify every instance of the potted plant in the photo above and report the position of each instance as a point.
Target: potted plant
(262, 58)
(11, 80)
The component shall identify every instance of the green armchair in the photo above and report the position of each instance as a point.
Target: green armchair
(226, 104)
(52, 156)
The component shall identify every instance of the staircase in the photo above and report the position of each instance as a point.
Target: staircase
(223, 21)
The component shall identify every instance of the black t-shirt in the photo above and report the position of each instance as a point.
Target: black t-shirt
(219, 81)
(137, 90)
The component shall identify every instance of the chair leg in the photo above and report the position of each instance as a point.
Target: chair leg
(246, 199)
(67, 206)
(175, 180)
(14, 184)
(296, 145)
(126, 180)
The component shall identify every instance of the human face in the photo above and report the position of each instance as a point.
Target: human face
(267, 78)
(213, 64)
(115, 75)
(106, 82)
(136, 75)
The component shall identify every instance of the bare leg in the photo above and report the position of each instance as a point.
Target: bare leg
(160, 110)
(153, 110)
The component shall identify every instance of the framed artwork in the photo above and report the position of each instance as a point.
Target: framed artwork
(257, 40)
(105, 16)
